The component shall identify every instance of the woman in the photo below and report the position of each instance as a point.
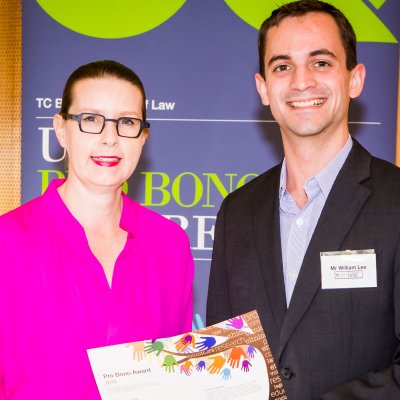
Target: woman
(83, 265)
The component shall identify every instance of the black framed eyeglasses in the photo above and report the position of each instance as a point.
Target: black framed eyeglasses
(94, 123)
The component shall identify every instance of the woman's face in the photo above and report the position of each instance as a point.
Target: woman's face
(101, 160)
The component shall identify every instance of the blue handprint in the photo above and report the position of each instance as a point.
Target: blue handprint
(206, 344)
(226, 374)
(251, 351)
(200, 366)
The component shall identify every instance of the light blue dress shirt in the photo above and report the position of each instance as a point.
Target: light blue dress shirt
(298, 224)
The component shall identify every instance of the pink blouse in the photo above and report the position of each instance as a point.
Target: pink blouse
(55, 301)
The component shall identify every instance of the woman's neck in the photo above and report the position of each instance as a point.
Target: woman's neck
(100, 208)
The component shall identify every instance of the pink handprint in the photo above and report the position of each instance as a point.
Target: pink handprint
(234, 357)
(245, 366)
(217, 364)
(236, 323)
(186, 368)
(186, 340)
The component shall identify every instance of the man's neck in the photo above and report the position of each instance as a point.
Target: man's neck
(306, 157)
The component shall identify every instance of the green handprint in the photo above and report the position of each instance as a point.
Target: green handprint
(169, 363)
(156, 346)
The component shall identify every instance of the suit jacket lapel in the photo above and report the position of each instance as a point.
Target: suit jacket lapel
(343, 204)
(268, 243)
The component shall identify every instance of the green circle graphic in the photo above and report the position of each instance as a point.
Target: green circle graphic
(111, 19)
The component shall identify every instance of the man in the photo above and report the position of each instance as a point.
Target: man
(331, 338)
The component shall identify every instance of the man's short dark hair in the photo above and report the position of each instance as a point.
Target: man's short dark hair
(302, 7)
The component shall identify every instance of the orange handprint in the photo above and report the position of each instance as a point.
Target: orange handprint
(186, 368)
(186, 340)
(217, 364)
(236, 354)
(138, 350)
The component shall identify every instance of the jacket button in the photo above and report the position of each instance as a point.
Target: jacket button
(287, 373)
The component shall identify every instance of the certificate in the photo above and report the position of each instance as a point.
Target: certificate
(229, 360)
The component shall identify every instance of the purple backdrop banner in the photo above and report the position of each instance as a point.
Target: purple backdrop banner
(209, 132)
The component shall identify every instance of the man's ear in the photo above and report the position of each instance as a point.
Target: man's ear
(262, 89)
(357, 77)
(59, 128)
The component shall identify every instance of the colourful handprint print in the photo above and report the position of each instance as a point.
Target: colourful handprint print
(185, 341)
(200, 366)
(156, 346)
(251, 351)
(226, 374)
(186, 368)
(207, 343)
(236, 323)
(169, 363)
(218, 363)
(245, 366)
(234, 357)
(138, 350)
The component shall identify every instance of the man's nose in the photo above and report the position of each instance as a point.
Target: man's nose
(302, 78)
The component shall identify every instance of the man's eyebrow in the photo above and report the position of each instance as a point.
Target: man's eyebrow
(322, 52)
(284, 57)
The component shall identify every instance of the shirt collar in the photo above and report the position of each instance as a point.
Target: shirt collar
(129, 216)
(54, 202)
(282, 182)
(326, 177)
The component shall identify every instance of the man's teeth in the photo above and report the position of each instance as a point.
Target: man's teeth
(308, 103)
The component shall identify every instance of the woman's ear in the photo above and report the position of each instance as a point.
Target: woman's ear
(144, 135)
(59, 128)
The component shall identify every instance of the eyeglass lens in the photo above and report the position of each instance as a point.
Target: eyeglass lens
(94, 123)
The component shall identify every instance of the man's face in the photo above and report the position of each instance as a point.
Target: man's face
(307, 84)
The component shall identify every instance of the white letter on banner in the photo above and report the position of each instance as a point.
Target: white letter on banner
(46, 145)
(202, 232)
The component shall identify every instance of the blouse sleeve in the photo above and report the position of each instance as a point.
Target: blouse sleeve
(187, 304)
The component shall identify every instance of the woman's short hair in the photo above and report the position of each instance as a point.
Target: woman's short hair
(100, 69)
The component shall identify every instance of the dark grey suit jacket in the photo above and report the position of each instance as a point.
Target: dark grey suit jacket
(329, 344)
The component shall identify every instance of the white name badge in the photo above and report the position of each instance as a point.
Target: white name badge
(348, 269)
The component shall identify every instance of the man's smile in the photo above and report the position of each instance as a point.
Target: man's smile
(307, 103)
